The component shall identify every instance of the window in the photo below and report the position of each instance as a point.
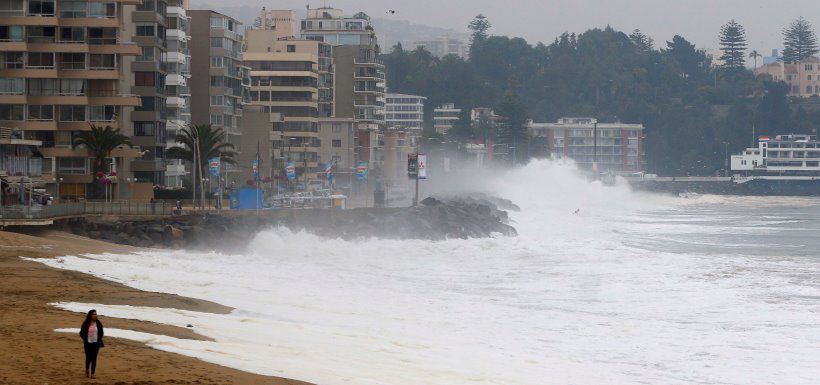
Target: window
(72, 113)
(147, 5)
(809, 67)
(37, 34)
(11, 33)
(809, 77)
(291, 48)
(146, 30)
(148, 54)
(73, 165)
(216, 42)
(147, 103)
(101, 113)
(74, 87)
(12, 8)
(72, 9)
(337, 143)
(11, 111)
(11, 60)
(217, 22)
(145, 79)
(144, 128)
(808, 89)
(216, 61)
(216, 119)
(38, 7)
(40, 60)
(217, 81)
(102, 61)
(40, 112)
(42, 87)
(12, 86)
(72, 61)
(217, 100)
(102, 10)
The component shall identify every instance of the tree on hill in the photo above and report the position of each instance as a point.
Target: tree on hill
(516, 136)
(642, 42)
(733, 44)
(691, 61)
(754, 55)
(799, 41)
(479, 28)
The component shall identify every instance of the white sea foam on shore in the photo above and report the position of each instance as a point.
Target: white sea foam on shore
(633, 289)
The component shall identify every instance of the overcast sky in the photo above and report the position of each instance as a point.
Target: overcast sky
(542, 20)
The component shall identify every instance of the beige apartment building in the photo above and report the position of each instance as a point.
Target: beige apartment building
(285, 80)
(803, 78)
(63, 68)
(219, 82)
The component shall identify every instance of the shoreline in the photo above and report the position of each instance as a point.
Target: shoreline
(35, 353)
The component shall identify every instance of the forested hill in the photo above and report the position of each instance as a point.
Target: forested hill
(693, 111)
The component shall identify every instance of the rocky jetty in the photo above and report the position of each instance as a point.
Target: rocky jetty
(434, 219)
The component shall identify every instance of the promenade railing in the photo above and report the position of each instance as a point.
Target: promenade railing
(64, 210)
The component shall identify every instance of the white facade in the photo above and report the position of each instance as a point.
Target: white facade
(445, 117)
(178, 62)
(405, 111)
(444, 46)
(783, 154)
(331, 26)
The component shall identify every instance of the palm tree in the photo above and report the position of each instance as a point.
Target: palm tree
(754, 55)
(211, 143)
(100, 142)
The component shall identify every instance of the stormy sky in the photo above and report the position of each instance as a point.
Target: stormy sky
(542, 20)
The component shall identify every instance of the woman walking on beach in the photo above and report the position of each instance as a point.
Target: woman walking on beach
(92, 335)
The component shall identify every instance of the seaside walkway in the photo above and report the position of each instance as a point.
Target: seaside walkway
(40, 215)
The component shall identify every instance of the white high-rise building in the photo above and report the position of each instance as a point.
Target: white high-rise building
(405, 111)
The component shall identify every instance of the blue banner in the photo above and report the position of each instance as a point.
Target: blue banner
(290, 170)
(361, 171)
(214, 164)
(255, 167)
(329, 171)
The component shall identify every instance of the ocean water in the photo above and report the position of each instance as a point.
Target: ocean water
(634, 289)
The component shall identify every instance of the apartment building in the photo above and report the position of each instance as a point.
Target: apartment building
(285, 80)
(178, 103)
(405, 111)
(219, 82)
(611, 147)
(62, 68)
(280, 20)
(445, 117)
(803, 78)
(355, 51)
(443, 46)
(146, 74)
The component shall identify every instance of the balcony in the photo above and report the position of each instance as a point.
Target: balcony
(176, 34)
(177, 12)
(175, 102)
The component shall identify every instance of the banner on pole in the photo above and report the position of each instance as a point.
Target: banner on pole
(329, 171)
(290, 170)
(412, 165)
(214, 165)
(422, 166)
(361, 171)
(255, 167)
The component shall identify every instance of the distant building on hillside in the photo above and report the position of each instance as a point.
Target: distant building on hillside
(802, 78)
(443, 46)
(615, 147)
(445, 117)
(773, 58)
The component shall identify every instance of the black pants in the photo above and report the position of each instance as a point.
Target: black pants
(91, 351)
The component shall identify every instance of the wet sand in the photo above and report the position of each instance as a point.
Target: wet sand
(31, 352)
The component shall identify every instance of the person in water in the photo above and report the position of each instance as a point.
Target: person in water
(92, 334)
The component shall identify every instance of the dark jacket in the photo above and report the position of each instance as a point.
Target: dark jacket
(100, 333)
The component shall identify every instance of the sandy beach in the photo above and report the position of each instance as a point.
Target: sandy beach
(33, 353)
